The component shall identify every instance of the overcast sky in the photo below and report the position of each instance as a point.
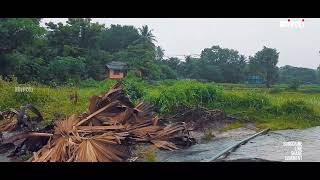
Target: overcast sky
(185, 36)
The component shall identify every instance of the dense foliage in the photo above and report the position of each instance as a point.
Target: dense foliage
(79, 49)
(290, 73)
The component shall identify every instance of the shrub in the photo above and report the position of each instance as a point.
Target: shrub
(150, 154)
(185, 93)
(89, 83)
(244, 100)
(167, 82)
(63, 69)
(275, 90)
(296, 107)
(311, 90)
(208, 134)
(255, 100)
(273, 109)
(134, 86)
(294, 85)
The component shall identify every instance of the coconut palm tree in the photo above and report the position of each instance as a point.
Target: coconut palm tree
(146, 34)
(159, 53)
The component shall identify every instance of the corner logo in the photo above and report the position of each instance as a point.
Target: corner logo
(292, 23)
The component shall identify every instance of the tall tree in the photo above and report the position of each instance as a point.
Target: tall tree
(16, 33)
(75, 37)
(118, 37)
(140, 56)
(172, 62)
(190, 68)
(304, 75)
(265, 62)
(159, 53)
(16, 36)
(147, 35)
(67, 68)
(227, 64)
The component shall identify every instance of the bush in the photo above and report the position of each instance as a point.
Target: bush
(185, 93)
(65, 69)
(311, 90)
(208, 134)
(150, 154)
(244, 100)
(275, 90)
(294, 85)
(147, 153)
(167, 72)
(254, 100)
(296, 107)
(167, 82)
(273, 109)
(134, 86)
(89, 83)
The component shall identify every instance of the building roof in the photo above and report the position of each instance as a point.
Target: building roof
(117, 65)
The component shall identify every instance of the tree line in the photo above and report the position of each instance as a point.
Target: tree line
(79, 49)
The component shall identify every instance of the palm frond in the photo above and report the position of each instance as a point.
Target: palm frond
(107, 131)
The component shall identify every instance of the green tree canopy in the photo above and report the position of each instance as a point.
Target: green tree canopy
(227, 64)
(118, 37)
(289, 73)
(64, 69)
(265, 63)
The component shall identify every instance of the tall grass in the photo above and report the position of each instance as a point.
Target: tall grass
(282, 109)
(184, 93)
(50, 101)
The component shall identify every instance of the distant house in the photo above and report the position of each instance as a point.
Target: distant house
(255, 79)
(116, 70)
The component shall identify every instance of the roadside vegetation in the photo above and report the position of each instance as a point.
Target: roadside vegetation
(283, 109)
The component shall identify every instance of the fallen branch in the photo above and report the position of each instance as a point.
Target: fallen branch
(26, 135)
(95, 113)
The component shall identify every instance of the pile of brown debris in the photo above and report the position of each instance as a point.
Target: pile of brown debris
(198, 118)
(107, 132)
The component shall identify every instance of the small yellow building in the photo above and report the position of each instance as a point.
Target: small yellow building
(116, 70)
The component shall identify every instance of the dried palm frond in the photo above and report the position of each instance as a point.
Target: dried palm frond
(9, 121)
(165, 145)
(107, 130)
(66, 126)
(55, 152)
(18, 119)
(99, 149)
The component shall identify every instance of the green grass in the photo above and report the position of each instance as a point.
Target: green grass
(287, 109)
(233, 125)
(49, 100)
(149, 154)
(208, 134)
(280, 109)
